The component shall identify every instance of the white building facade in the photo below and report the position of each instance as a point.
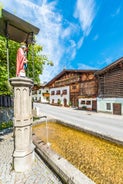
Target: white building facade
(41, 95)
(110, 88)
(110, 105)
(87, 103)
(60, 96)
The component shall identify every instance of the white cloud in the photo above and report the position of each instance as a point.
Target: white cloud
(108, 60)
(50, 23)
(80, 42)
(85, 12)
(71, 50)
(66, 32)
(96, 37)
(104, 62)
(116, 12)
(56, 33)
(86, 67)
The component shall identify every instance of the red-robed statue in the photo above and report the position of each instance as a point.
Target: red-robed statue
(21, 61)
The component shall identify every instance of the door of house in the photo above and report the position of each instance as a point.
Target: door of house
(94, 105)
(117, 108)
(65, 102)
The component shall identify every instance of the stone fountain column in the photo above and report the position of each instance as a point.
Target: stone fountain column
(23, 147)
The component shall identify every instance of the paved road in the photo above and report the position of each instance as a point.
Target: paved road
(104, 124)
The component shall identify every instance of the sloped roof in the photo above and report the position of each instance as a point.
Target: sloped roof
(68, 71)
(18, 29)
(109, 67)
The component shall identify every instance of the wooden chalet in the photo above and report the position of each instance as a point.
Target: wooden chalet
(88, 91)
(70, 85)
(110, 91)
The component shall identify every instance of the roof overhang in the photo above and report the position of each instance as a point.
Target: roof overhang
(111, 66)
(15, 28)
(68, 71)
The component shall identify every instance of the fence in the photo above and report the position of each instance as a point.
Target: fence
(6, 101)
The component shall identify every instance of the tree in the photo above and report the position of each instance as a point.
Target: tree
(4, 86)
(35, 64)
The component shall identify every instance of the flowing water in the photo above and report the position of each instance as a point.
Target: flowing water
(100, 160)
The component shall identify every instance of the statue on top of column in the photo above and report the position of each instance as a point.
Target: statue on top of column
(21, 61)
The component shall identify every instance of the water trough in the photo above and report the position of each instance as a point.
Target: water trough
(61, 166)
(64, 169)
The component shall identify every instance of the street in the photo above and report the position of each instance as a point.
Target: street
(105, 124)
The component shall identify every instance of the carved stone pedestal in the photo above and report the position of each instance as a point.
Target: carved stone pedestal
(23, 147)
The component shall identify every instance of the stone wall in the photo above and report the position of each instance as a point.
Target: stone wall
(6, 114)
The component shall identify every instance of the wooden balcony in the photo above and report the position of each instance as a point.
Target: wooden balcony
(67, 81)
(46, 94)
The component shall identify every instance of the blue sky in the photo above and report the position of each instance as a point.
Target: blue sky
(75, 34)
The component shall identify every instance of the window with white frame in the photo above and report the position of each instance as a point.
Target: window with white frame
(108, 106)
(82, 101)
(52, 92)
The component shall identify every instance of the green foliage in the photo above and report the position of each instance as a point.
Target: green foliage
(36, 62)
(59, 102)
(70, 103)
(35, 118)
(4, 86)
(5, 125)
(84, 108)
